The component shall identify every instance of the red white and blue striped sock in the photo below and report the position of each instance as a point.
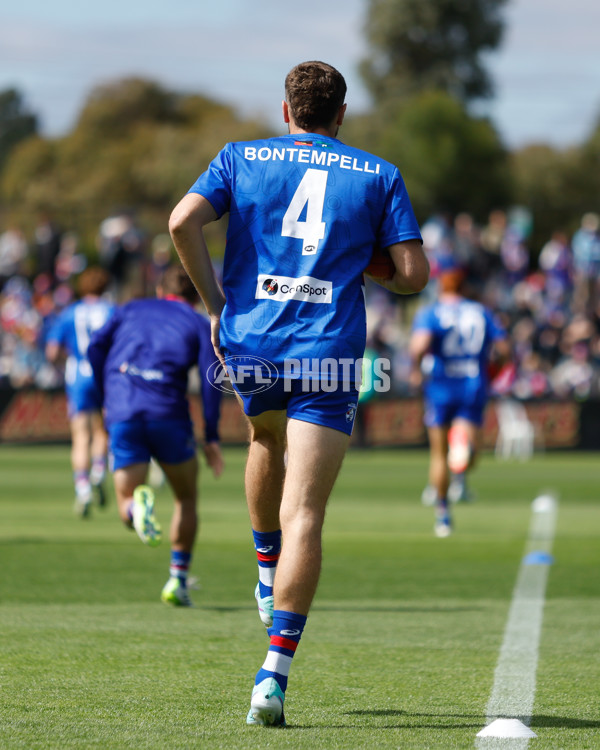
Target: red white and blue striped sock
(83, 489)
(180, 565)
(268, 548)
(285, 635)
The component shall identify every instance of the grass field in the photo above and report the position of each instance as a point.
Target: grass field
(400, 648)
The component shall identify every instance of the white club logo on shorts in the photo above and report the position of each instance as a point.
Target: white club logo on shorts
(302, 289)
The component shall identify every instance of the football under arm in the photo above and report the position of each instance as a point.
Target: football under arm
(412, 268)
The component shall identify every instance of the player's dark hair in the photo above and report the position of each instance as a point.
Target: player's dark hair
(94, 280)
(314, 92)
(176, 281)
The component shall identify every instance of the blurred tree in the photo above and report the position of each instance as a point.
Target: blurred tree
(450, 160)
(589, 168)
(559, 186)
(540, 175)
(29, 180)
(430, 44)
(16, 122)
(135, 146)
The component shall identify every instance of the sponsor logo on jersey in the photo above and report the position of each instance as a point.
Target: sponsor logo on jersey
(285, 288)
(270, 286)
(126, 368)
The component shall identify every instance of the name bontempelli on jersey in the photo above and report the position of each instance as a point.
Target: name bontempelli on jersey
(322, 158)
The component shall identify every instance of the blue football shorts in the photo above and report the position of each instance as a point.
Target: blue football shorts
(170, 441)
(83, 396)
(312, 401)
(443, 413)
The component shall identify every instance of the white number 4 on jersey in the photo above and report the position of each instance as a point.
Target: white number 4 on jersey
(310, 193)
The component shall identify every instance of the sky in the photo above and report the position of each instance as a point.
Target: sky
(546, 74)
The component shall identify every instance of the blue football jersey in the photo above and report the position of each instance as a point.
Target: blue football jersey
(72, 330)
(305, 212)
(462, 334)
(141, 360)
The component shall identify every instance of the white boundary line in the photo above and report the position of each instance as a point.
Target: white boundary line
(514, 679)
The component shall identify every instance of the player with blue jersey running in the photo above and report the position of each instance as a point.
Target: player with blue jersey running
(71, 334)
(305, 214)
(141, 360)
(451, 346)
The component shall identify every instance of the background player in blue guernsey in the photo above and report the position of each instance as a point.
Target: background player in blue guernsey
(71, 334)
(453, 341)
(305, 214)
(141, 359)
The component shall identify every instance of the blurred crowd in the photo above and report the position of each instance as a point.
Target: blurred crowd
(547, 298)
(38, 280)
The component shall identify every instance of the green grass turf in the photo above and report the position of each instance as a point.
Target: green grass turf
(400, 648)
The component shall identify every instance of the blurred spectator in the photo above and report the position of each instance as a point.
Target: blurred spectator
(576, 375)
(22, 362)
(46, 245)
(69, 262)
(122, 250)
(532, 378)
(556, 262)
(491, 238)
(514, 256)
(466, 248)
(586, 256)
(13, 254)
(161, 250)
(548, 338)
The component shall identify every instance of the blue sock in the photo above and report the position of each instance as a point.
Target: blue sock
(180, 565)
(285, 635)
(268, 547)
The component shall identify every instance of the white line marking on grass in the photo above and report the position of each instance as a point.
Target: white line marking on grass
(514, 679)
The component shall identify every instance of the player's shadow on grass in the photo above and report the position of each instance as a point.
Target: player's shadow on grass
(477, 721)
(399, 608)
(536, 722)
(563, 722)
(320, 608)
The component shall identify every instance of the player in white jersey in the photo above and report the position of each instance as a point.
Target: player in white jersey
(305, 215)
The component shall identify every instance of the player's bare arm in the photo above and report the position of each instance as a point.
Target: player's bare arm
(420, 344)
(501, 352)
(214, 457)
(186, 224)
(412, 268)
